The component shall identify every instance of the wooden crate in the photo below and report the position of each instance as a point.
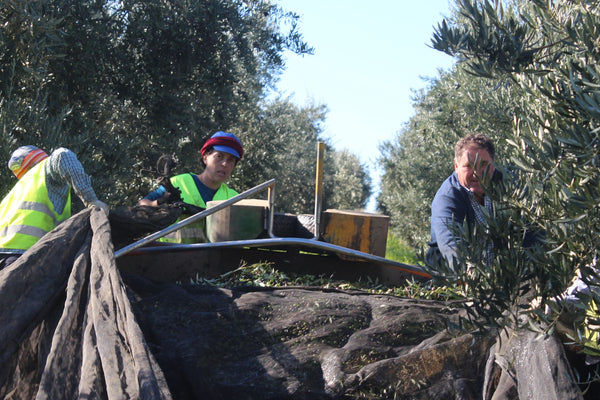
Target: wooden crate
(355, 230)
(241, 221)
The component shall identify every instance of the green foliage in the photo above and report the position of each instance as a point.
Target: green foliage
(283, 135)
(121, 83)
(283, 145)
(420, 157)
(267, 275)
(398, 250)
(351, 185)
(549, 50)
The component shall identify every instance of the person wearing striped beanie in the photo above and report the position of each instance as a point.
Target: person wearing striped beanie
(219, 154)
(41, 198)
(23, 158)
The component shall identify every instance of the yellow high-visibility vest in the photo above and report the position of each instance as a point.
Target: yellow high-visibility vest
(591, 330)
(26, 213)
(196, 231)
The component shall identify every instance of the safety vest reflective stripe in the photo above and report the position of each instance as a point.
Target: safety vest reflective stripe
(34, 206)
(23, 229)
(194, 232)
(27, 213)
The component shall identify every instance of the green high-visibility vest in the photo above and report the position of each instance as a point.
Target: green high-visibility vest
(591, 330)
(26, 213)
(196, 231)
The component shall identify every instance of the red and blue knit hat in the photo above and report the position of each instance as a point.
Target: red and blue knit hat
(23, 158)
(225, 142)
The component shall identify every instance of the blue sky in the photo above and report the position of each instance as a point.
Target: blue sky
(368, 58)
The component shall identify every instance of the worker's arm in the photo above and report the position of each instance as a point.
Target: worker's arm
(154, 198)
(64, 171)
(146, 202)
(448, 209)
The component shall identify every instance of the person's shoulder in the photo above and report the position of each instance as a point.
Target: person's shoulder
(62, 152)
(230, 192)
(226, 187)
(185, 175)
(451, 191)
(450, 185)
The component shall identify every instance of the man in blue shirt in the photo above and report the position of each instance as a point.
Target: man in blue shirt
(461, 197)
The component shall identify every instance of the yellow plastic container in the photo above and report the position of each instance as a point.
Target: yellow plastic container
(356, 230)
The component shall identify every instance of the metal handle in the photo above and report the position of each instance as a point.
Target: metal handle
(319, 188)
(172, 228)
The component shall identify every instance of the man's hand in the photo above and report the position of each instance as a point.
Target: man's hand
(103, 206)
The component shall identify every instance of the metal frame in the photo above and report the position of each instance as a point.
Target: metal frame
(270, 185)
(293, 242)
(272, 241)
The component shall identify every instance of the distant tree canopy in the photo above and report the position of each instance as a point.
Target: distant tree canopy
(348, 172)
(418, 159)
(284, 147)
(122, 82)
(529, 76)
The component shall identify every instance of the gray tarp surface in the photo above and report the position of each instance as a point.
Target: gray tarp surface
(523, 365)
(66, 324)
(72, 327)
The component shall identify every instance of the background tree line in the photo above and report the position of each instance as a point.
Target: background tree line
(528, 76)
(122, 82)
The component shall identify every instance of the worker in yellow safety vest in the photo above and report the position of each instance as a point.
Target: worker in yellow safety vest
(579, 311)
(220, 154)
(41, 199)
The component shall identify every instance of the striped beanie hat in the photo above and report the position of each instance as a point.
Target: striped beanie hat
(225, 142)
(23, 158)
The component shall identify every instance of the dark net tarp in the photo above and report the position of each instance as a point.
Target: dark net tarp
(523, 365)
(66, 325)
(72, 326)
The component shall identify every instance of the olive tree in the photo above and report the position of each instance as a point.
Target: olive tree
(351, 186)
(549, 50)
(281, 141)
(125, 81)
(418, 159)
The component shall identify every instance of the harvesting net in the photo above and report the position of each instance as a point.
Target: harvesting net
(66, 324)
(73, 327)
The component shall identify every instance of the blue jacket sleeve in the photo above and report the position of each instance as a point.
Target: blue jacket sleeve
(450, 206)
(156, 194)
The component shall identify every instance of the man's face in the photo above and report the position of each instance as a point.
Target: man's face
(219, 166)
(473, 165)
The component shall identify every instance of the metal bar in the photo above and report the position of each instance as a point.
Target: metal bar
(319, 188)
(307, 243)
(193, 218)
(271, 198)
